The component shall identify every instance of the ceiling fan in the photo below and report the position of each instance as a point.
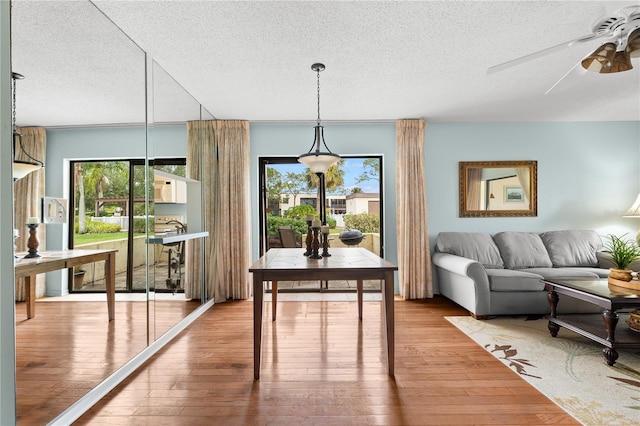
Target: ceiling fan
(621, 41)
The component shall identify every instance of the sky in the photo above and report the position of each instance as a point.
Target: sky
(352, 169)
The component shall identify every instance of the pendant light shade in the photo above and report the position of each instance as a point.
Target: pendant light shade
(319, 161)
(21, 168)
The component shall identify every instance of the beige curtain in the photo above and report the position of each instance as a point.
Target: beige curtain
(474, 187)
(218, 156)
(414, 258)
(524, 177)
(27, 196)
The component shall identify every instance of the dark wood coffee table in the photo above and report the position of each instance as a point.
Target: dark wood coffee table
(599, 329)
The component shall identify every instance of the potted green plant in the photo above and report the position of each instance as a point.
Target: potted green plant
(623, 252)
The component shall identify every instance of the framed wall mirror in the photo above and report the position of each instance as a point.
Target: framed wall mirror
(498, 188)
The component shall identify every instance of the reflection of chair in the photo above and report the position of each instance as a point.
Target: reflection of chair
(288, 240)
(288, 237)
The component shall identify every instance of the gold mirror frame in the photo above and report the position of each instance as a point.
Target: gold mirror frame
(491, 179)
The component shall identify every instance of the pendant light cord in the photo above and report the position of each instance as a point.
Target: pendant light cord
(318, 71)
(13, 106)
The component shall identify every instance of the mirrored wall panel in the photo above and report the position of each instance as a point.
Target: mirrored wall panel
(175, 220)
(114, 131)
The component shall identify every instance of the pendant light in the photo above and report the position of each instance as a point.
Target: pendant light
(319, 161)
(21, 168)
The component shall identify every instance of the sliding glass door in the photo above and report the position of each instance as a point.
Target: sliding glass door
(289, 192)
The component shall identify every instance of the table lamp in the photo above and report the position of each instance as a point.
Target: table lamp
(634, 211)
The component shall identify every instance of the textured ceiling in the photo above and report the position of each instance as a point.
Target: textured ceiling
(251, 60)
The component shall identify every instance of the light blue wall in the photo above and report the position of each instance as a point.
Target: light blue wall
(588, 173)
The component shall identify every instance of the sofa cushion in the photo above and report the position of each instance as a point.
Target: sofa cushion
(565, 273)
(521, 250)
(511, 280)
(572, 248)
(472, 245)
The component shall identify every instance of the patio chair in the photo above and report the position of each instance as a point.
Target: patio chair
(288, 240)
(288, 237)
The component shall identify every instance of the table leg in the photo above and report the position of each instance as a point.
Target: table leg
(387, 302)
(552, 296)
(360, 288)
(610, 321)
(110, 283)
(258, 298)
(274, 299)
(30, 296)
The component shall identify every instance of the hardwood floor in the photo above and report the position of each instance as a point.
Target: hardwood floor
(322, 366)
(70, 347)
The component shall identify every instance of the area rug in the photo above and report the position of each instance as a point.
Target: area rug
(569, 369)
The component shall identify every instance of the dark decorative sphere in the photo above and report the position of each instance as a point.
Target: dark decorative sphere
(351, 237)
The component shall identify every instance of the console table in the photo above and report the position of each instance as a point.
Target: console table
(289, 264)
(56, 260)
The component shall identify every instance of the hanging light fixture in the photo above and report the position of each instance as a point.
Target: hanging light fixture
(615, 55)
(21, 168)
(319, 161)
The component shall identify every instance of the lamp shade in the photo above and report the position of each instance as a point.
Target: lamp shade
(23, 168)
(633, 44)
(601, 59)
(634, 210)
(319, 161)
(621, 62)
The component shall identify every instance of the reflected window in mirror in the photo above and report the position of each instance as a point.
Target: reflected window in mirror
(498, 188)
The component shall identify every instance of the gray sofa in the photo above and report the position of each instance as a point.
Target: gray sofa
(501, 274)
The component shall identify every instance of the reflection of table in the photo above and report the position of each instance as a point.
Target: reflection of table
(55, 260)
(344, 264)
(602, 329)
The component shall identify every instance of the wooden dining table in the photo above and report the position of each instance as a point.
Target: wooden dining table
(352, 263)
(29, 268)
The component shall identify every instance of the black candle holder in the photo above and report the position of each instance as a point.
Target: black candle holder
(315, 245)
(325, 244)
(32, 243)
(309, 239)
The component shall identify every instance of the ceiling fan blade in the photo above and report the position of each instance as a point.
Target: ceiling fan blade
(543, 52)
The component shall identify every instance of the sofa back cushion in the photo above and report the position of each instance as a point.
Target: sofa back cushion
(572, 247)
(472, 245)
(520, 250)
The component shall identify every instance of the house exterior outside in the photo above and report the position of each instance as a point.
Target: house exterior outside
(336, 204)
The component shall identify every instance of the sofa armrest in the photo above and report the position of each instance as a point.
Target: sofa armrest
(464, 281)
(459, 265)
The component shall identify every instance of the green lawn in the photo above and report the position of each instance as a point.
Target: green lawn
(98, 238)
